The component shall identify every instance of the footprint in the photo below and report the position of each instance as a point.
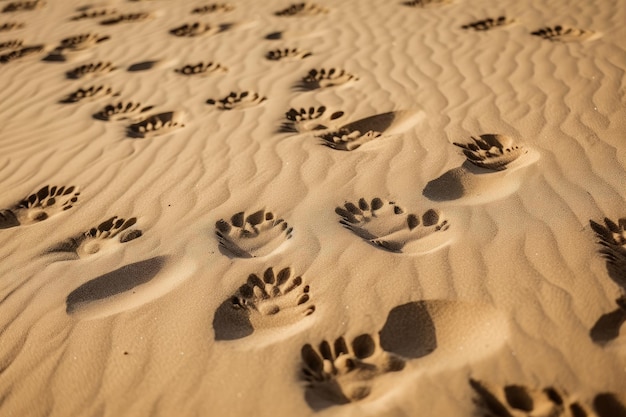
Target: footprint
(302, 9)
(45, 203)
(107, 234)
(198, 29)
(491, 171)
(11, 44)
(426, 3)
(386, 225)
(121, 110)
(273, 300)
(8, 26)
(21, 53)
(560, 33)
(93, 14)
(89, 93)
(323, 78)
(341, 373)
(308, 120)
(23, 6)
(488, 24)
(237, 100)
(156, 124)
(287, 54)
(213, 8)
(201, 69)
(613, 241)
(519, 401)
(126, 18)
(74, 44)
(90, 70)
(492, 151)
(257, 234)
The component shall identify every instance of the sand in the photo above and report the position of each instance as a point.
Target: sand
(354, 208)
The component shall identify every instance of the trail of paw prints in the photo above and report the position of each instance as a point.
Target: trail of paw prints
(492, 151)
(126, 18)
(309, 119)
(340, 373)
(284, 54)
(488, 24)
(201, 69)
(192, 30)
(522, 401)
(156, 125)
(426, 3)
(121, 110)
(94, 69)
(106, 235)
(323, 78)
(265, 301)
(612, 239)
(213, 8)
(23, 6)
(90, 93)
(74, 44)
(20, 52)
(45, 203)
(302, 9)
(257, 234)
(561, 33)
(236, 100)
(386, 225)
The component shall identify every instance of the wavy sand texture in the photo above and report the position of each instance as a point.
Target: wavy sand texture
(204, 305)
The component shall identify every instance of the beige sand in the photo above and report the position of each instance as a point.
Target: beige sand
(357, 208)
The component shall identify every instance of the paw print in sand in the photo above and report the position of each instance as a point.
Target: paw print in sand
(308, 120)
(39, 206)
(386, 225)
(492, 151)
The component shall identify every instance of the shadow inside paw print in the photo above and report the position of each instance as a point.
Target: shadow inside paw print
(386, 225)
(191, 30)
(339, 373)
(201, 69)
(213, 8)
(120, 111)
(108, 233)
(308, 120)
(20, 53)
(39, 206)
(126, 18)
(23, 6)
(89, 93)
(488, 24)
(156, 124)
(237, 100)
(258, 234)
(287, 54)
(323, 78)
(302, 9)
(560, 33)
(94, 69)
(263, 302)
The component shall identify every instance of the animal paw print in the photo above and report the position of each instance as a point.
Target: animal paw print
(307, 120)
(274, 294)
(11, 44)
(492, 151)
(613, 240)
(302, 9)
(520, 401)
(488, 24)
(94, 14)
(342, 373)
(287, 53)
(93, 69)
(7, 26)
(560, 33)
(195, 29)
(23, 6)
(323, 78)
(126, 18)
(201, 69)
(348, 140)
(121, 110)
(426, 3)
(108, 233)
(257, 234)
(90, 93)
(213, 8)
(386, 225)
(20, 53)
(81, 42)
(237, 100)
(157, 124)
(39, 206)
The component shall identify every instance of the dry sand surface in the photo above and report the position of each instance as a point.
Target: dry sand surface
(340, 208)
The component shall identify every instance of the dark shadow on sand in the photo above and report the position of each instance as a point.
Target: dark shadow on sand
(115, 282)
(230, 323)
(409, 331)
(608, 326)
